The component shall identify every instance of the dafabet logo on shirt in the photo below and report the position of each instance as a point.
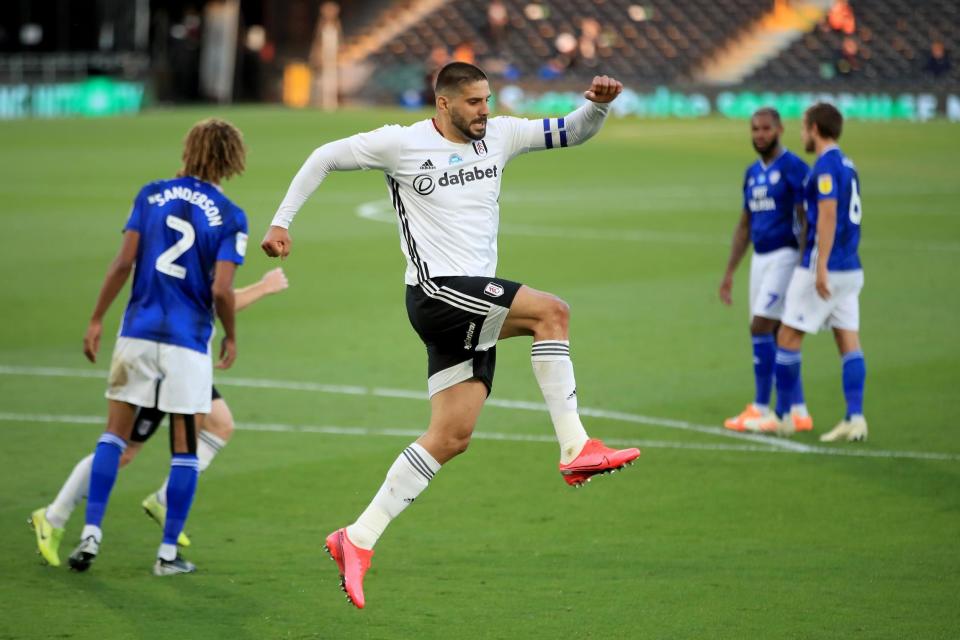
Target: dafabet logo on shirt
(425, 185)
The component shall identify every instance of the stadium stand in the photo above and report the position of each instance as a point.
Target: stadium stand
(653, 42)
(890, 46)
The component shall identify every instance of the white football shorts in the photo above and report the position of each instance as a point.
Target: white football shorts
(769, 277)
(153, 374)
(808, 312)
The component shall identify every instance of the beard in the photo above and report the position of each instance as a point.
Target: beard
(463, 126)
(808, 146)
(767, 150)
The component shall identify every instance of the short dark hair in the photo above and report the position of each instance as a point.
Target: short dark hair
(828, 119)
(767, 111)
(456, 74)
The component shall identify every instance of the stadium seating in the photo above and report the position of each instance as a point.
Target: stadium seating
(664, 46)
(892, 39)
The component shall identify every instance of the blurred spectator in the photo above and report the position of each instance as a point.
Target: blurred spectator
(848, 58)
(589, 34)
(554, 68)
(938, 61)
(497, 20)
(841, 18)
(437, 60)
(250, 65)
(465, 53)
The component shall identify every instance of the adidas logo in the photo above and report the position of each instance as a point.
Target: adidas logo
(427, 165)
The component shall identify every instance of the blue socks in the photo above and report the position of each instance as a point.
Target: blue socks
(854, 378)
(764, 352)
(787, 375)
(181, 487)
(106, 464)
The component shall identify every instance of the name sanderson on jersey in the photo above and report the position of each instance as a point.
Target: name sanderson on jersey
(425, 184)
(196, 198)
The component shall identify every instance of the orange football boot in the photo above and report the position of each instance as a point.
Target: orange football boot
(802, 423)
(790, 424)
(595, 459)
(352, 561)
(738, 423)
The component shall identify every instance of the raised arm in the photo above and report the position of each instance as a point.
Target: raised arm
(373, 150)
(572, 129)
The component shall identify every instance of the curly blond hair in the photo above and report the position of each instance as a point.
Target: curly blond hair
(213, 151)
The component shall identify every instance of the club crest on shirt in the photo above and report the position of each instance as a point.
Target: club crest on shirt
(480, 147)
(774, 177)
(455, 159)
(825, 184)
(241, 243)
(493, 290)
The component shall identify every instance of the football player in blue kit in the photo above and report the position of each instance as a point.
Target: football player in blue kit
(825, 290)
(772, 207)
(183, 241)
(216, 430)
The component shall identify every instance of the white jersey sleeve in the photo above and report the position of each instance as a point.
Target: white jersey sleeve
(378, 149)
(547, 133)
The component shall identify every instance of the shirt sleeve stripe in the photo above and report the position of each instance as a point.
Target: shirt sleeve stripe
(547, 135)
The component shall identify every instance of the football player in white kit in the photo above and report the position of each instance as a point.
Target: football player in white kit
(443, 175)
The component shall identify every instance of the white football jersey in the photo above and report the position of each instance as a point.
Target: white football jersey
(445, 193)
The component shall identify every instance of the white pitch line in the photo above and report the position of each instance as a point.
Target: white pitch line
(513, 437)
(382, 211)
(407, 394)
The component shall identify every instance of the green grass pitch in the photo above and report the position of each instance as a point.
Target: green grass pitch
(709, 536)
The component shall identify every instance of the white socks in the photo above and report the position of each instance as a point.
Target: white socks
(208, 446)
(167, 552)
(406, 479)
(71, 493)
(91, 530)
(554, 372)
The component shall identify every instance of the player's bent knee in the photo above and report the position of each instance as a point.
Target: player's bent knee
(555, 320)
(219, 421)
(457, 445)
(789, 338)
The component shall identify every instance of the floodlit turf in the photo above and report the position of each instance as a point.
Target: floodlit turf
(708, 536)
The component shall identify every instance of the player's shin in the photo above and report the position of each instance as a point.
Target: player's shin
(554, 372)
(208, 446)
(764, 354)
(71, 493)
(787, 374)
(103, 473)
(798, 402)
(409, 475)
(181, 488)
(854, 380)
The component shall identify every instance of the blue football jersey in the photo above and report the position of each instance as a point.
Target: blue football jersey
(834, 177)
(770, 196)
(185, 226)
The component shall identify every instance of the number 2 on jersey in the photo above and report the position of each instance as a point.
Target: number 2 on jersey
(165, 260)
(856, 210)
